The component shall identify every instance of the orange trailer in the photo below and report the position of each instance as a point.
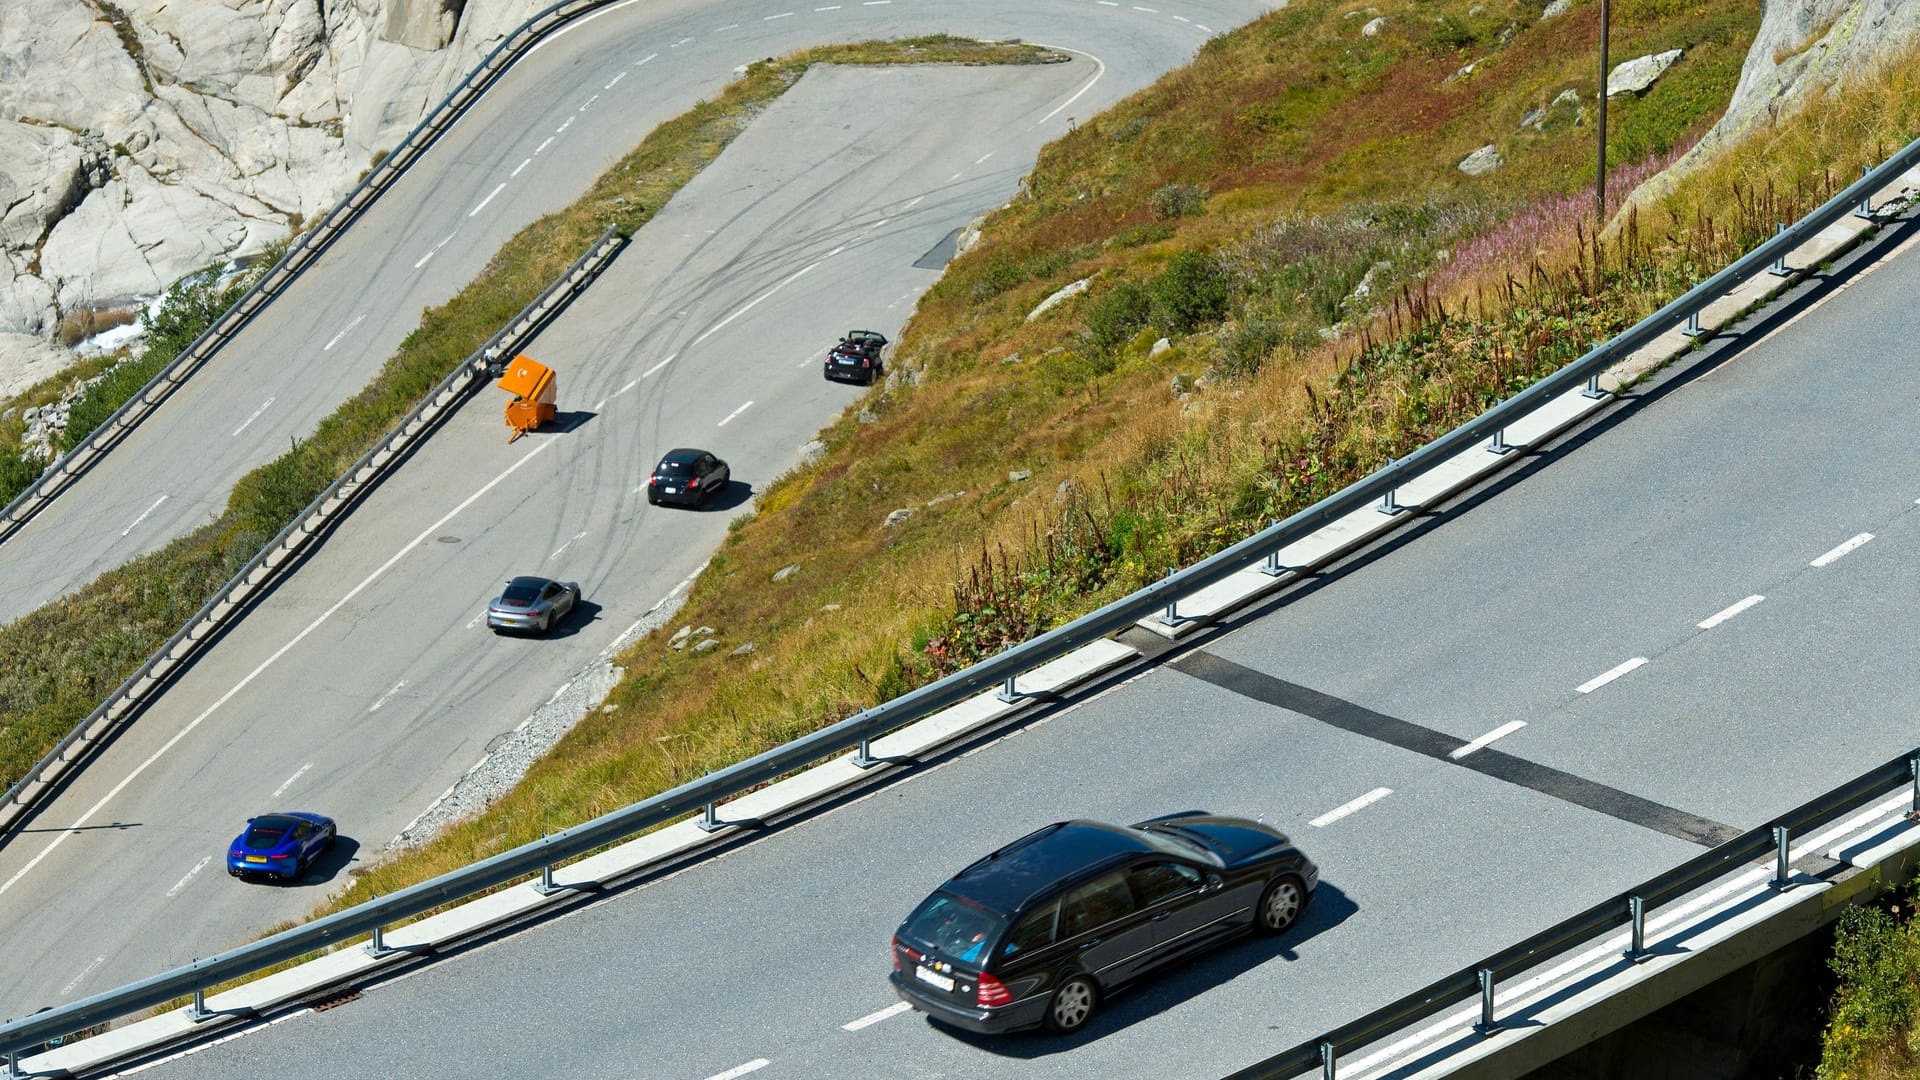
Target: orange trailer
(531, 384)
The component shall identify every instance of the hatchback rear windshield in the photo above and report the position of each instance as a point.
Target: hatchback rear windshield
(671, 465)
(267, 832)
(955, 929)
(519, 592)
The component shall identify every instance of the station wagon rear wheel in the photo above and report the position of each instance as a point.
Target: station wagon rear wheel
(1281, 904)
(1072, 1005)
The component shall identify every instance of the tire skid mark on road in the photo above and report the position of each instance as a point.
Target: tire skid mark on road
(188, 729)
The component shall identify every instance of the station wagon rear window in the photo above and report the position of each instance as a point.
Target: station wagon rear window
(954, 928)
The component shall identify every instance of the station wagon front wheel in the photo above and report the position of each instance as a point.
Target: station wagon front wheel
(1072, 1005)
(1281, 904)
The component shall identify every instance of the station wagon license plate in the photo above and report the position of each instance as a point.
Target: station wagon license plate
(926, 975)
(257, 858)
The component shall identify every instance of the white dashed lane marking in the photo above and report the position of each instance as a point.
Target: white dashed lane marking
(1843, 549)
(435, 250)
(173, 892)
(254, 416)
(613, 80)
(1724, 614)
(143, 516)
(648, 59)
(497, 189)
(98, 960)
(302, 771)
(873, 1018)
(335, 340)
(382, 700)
(1606, 677)
(735, 413)
(782, 15)
(543, 146)
(741, 1070)
(1481, 743)
(517, 168)
(1343, 810)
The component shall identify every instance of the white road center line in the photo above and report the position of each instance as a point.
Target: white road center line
(498, 188)
(430, 530)
(300, 772)
(735, 413)
(653, 369)
(335, 340)
(435, 249)
(564, 125)
(601, 404)
(1360, 803)
(589, 101)
(682, 41)
(915, 202)
(543, 146)
(1148, 10)
(1203, 28)
(729, 26)
(834, 7)
(751, 304)
(1606, 677)
(741, 1070)
(1842, 549)
(98, 960)
(517, 168)
(647, 60)
(613, 80)
(1724, 614)
(255, 416)
(565, 546)
(626, 388)
(785, 14)
(382, 699)
(1181, 18)
(983, 157)
(143, 516)
(1482, 742)
(873, 1018)
(177, 886)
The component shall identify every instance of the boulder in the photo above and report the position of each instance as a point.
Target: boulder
(1556, 9)
(1481, 161)
(1373, 26)
(1059, 296)
(1638, 75)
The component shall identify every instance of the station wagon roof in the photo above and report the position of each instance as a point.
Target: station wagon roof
(1015, 874)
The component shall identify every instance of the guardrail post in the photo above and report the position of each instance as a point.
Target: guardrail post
(1593, 388)
(1499, 444)
(1779, 267)
(1272, 567)
(1780, 837)
(13, 1065)
(1637, 946)
(1388, 505)
(198, 1011)
(1693, 329)
(1486, 1023)
(708, 822)
(378, 947)
(863, 758)
(1171, 616)
(1865, 209)
(1913, 768)
(1327, 1057)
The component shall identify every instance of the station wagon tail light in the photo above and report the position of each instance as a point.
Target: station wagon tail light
(992, 992)
(693, 483)
(896, 952)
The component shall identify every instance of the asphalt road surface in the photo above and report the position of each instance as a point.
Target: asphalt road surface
(1700, 607)
(365, 684)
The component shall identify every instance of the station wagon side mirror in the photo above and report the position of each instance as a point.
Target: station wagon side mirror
(1212, 884)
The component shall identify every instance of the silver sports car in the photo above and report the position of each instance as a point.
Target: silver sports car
(532, 603)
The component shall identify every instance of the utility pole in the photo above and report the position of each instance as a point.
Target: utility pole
(1600, 168)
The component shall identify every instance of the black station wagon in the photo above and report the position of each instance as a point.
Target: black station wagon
(1039, 931)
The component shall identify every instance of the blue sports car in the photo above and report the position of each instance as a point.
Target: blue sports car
(281, 845)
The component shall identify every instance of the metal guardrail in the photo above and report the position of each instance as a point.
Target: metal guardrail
(1629, 908)
(265, 565)
(304, 249)
(704, 794)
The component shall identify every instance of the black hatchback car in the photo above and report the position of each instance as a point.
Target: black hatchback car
(688, 477)
(1040, 931)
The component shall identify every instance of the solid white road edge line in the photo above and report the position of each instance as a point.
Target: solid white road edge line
(1606, 677)
(1836, 553)
(1360, 803)
(143, 516)
(741, 1070)
(208, 1045)
(171, 893)
(265, 664)
(282, 789)
(873, 1018)
(1723, 615)
(1481, 743)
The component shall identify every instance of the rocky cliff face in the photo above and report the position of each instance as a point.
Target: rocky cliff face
(143, 139)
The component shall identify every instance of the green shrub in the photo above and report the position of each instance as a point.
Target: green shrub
(1117, 314)
(1179, 200)
(1191, 291)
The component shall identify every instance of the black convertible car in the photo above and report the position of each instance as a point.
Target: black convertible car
(857, 357)
(1039, 931)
